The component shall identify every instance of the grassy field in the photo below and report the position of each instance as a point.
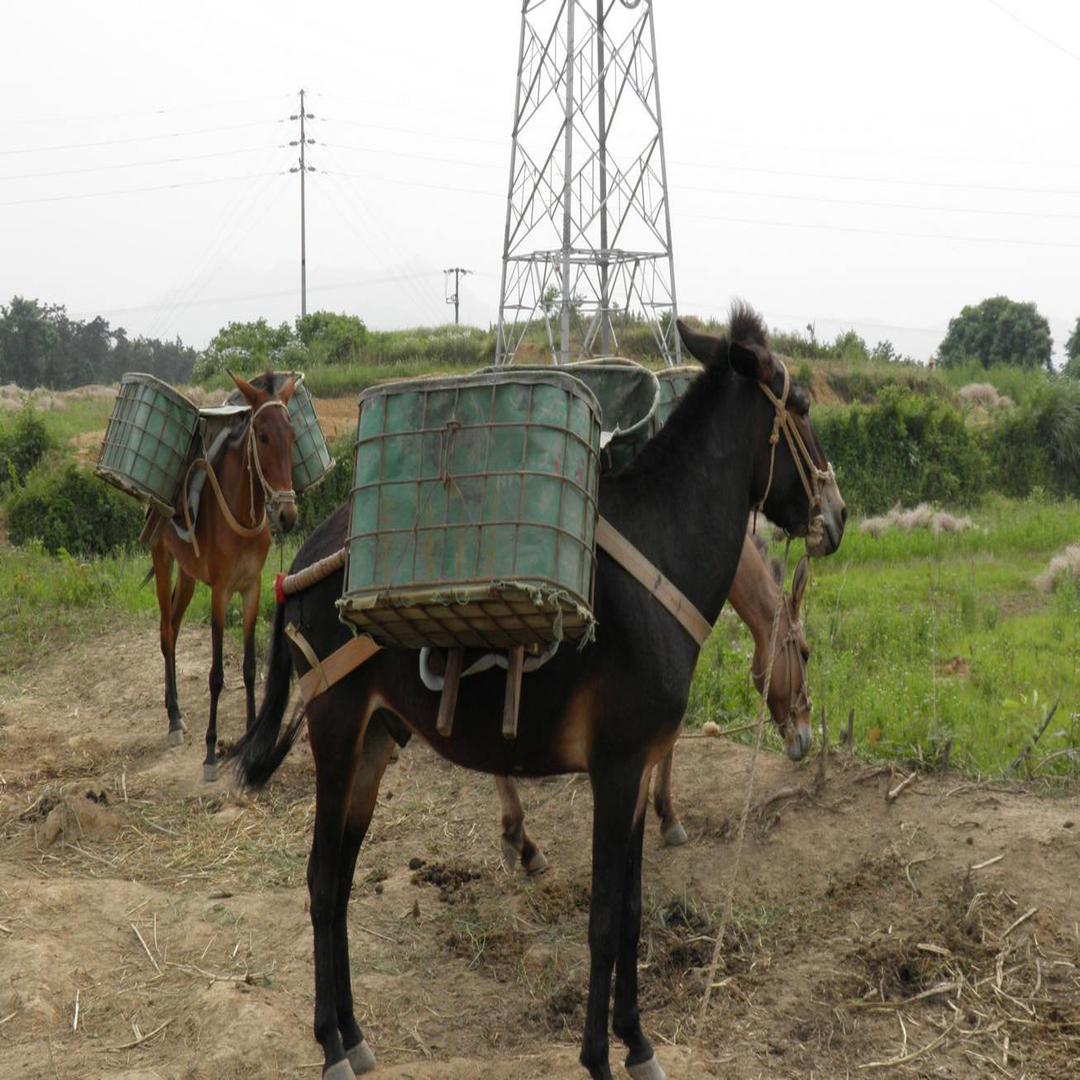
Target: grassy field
(934, 638)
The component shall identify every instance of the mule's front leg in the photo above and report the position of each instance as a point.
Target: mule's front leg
(516, 844)
(641, 1062)
(218, 601)
(616, 790)
(163, 564)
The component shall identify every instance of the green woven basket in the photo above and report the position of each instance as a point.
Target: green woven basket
(149, 441)
(674, 382)
(311, 460)
(473, 511)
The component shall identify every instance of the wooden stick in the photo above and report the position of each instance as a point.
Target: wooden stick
(514, 670)
(988, 862)
(893, 1062)
(1023, 919)
(823, 754)
(1026, 752)
(891, 796)
(149, 954)
(142, 1038)
(444, 722)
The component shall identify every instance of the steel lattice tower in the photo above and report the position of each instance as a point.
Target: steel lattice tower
(588, 229)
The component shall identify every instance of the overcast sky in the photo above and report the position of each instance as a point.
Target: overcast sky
(850, 163)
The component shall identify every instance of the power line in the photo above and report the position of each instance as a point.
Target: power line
(1031, 29)
(805, 174)
(420, 183)
(134, 191)
(879, 232)
(413, 131)
(144, 164)
(415, 157)
(139, 138)
(164, 110)
(885, 205)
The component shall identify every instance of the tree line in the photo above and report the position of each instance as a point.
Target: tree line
(41, 345)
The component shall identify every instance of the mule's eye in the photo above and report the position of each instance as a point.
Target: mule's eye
(263, 439)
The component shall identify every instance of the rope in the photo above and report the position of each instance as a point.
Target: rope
(729, 899)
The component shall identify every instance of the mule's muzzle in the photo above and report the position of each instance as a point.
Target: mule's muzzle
(797, 743)
(283, 514)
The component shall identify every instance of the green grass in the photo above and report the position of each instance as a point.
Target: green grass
(890, 621)
(47, 602)
(70, 417)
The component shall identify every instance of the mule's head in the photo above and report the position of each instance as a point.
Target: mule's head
(792, 481)
(789, 693)
(271, 448)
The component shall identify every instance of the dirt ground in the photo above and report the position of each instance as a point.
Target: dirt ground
(933, 935)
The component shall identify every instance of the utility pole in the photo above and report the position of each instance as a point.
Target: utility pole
(303, 169)
(452, 298)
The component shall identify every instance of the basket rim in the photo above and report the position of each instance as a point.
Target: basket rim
(142, 378)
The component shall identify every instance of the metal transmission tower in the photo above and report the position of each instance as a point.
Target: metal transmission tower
(588, 231)
(303, 168)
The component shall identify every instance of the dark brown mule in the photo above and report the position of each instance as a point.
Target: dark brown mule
(754, 594)
(612, 709)
(248, 487)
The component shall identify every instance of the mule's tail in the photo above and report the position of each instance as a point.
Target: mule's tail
(259, 753)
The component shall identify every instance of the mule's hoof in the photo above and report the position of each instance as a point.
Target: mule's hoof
(537, 864)
(361, 1058)
(210, 772)
(510, 854)
(675, 836)
(176, 737)
(340, 1070)
(395, 752)
(647, 1070)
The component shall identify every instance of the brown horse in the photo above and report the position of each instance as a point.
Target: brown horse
(755, 592)
(612, 709)
(248, 487)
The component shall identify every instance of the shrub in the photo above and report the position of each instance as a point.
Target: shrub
(69, 509)
(316, 504)
(23, 447)
(907, 448)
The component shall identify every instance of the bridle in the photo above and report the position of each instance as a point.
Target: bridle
(272, 497)
(798, 700)
(812, 478)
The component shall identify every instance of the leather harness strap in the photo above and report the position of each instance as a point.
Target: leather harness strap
(341, 662)
(609, 539)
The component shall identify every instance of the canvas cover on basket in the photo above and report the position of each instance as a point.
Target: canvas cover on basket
(473, 511)
(629, 395)
(311, 459)
(674, 382)
(149, 440)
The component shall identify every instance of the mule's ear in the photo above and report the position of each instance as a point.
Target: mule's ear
(752, 361)
(798, 584)
(704, 347)
(245, 388)
(286, 392)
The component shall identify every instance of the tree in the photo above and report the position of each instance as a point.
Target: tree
(998, 331)
(1072, 353)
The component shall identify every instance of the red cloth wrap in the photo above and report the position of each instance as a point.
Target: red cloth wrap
(279, 588)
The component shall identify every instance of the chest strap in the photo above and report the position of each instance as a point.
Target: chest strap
(609, 539)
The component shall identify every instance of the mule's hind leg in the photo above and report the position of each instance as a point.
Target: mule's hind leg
(163, 565)
(515, 840)
(616, 796)
(219, 600)
(181, 598)
(671, 828)
(333, 731)
(375, 754)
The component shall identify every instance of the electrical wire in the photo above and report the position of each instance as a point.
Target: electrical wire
(144, 164)
(412, 131)
(134, 191)
(162, 111)
(502, 166)
(1031, 29)
(140, 138)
